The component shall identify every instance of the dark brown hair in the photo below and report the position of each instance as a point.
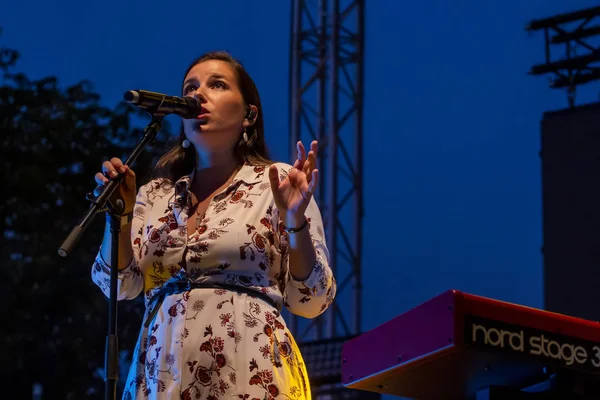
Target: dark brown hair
(180, 161)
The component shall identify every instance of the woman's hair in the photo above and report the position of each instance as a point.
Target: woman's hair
(180, 161)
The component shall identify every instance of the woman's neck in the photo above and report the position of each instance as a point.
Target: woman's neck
(213, 172)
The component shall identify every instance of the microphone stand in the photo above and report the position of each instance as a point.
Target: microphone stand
(113, 217)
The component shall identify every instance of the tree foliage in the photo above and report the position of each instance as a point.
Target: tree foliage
(53, 141)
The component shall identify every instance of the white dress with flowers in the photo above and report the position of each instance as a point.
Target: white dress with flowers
(214, 343)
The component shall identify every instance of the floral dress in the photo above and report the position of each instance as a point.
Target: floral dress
(214, 341)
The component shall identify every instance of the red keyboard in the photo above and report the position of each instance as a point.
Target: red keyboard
(455, 344)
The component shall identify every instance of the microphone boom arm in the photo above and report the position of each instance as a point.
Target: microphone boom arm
(99, 203)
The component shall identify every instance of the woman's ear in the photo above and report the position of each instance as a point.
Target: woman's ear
(251, 115)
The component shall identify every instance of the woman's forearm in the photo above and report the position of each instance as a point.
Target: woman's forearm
(302, 256)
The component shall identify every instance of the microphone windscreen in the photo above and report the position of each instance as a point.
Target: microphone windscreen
(131, 96)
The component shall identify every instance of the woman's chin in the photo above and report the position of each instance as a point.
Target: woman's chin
(198, 125)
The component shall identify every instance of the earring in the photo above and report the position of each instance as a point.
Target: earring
(186, 143)
(245, 136)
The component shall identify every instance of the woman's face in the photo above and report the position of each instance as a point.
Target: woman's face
(214, 84)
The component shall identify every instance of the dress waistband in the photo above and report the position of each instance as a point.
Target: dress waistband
(170, 288)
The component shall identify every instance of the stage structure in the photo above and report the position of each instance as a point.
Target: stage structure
(326, 87)
(573, 32)
(570, 158)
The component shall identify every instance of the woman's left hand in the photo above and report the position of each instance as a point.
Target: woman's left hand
(293, 194)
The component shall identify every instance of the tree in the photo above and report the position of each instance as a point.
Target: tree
(53, 141)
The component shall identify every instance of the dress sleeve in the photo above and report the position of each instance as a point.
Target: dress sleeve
(130, 280)
(312, 296)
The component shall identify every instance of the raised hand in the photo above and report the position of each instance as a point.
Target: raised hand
(127, 189)
(293, 194)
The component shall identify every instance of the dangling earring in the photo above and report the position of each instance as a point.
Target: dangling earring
(245, 136)
(186, 143)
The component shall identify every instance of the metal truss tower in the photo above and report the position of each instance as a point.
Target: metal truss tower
(326, 87)
(573, 30)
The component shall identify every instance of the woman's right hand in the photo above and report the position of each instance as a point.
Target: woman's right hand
(126, 190)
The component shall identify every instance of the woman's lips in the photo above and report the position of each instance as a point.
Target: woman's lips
(203, 113)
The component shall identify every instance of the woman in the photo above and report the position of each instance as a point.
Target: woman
(221, 239)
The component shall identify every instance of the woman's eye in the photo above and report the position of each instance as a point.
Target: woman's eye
(189, 88)
(219, 84)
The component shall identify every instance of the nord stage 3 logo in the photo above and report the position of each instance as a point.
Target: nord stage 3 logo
(548, 347)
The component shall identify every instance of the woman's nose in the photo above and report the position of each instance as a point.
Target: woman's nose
(199, 96)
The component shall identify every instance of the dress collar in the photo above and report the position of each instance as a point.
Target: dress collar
(248, 174)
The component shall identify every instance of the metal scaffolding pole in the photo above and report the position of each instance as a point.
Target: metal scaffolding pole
(326, 87)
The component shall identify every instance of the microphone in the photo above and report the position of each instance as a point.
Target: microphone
(158, 103)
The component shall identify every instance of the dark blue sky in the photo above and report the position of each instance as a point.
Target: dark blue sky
(452, 173)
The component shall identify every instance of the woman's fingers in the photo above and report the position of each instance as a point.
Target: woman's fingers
(118, 165)
(301, 151)
(301, 157)
(314, 146)
(111, 170)
(114, 167)
(100, 179)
